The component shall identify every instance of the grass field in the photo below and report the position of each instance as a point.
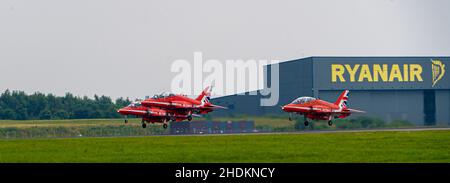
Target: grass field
(414, 146)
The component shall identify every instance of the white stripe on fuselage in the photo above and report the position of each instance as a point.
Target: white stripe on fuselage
(175, 104)
(316, 109)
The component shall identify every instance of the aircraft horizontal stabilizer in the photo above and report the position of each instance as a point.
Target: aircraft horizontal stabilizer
(358, 111)
(218, 107)
(196, 115)
(214, 106)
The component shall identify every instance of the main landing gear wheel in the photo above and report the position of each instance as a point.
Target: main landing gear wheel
(189, 118)
(144, 125)
(126, 121)
(330, 123)
(164, 126)
(306, 123)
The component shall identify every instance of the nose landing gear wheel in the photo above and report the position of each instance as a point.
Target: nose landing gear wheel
(330, 123)
(306, 123)
(164, 126)
(144, 125)
(189, 118)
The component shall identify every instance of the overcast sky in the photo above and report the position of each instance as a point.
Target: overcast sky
(126, 47)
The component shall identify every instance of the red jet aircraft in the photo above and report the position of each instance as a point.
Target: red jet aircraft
(169, 107)
(317, 109)
(183, 104)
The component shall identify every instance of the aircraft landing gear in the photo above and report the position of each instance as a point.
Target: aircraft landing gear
(330, 123)
(126, 119)
(290, 117)
(165, 125)
(189, 118)
(144, 125)
(306, 123)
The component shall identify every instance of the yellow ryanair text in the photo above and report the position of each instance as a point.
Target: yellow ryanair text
(376, 73)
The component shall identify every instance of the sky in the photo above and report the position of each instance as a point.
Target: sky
(125, 48)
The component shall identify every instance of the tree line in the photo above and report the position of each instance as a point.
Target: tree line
(17, 105)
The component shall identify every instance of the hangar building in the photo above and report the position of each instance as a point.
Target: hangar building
(416, 89)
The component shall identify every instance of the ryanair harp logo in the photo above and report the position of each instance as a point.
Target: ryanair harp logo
(438, 70)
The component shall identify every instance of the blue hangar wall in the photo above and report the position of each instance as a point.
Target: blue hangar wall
(416, 89)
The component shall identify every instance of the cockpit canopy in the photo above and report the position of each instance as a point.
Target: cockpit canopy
(303, 100)
(135, 104)
(162, 95)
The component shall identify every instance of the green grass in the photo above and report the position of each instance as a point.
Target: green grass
(419, 146)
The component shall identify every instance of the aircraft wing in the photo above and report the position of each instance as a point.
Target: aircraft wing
(312, 109)
(327, 110)
(134, 112)
(302, 108)
(321, 109)
(324, 109)
(170, 105)
(148, 112)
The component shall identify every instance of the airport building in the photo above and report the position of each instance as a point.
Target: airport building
(416, 89)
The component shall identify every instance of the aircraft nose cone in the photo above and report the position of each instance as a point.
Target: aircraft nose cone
(286, 108)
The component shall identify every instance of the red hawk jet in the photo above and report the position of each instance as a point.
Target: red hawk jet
(183, 104)
(169, 107)
(317, 109)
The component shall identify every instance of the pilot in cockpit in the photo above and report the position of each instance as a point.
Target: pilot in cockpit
(136, 103)
(162, 95)
(303, 100)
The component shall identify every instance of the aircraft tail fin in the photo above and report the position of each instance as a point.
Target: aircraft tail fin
(342, 100)
(204, 96)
